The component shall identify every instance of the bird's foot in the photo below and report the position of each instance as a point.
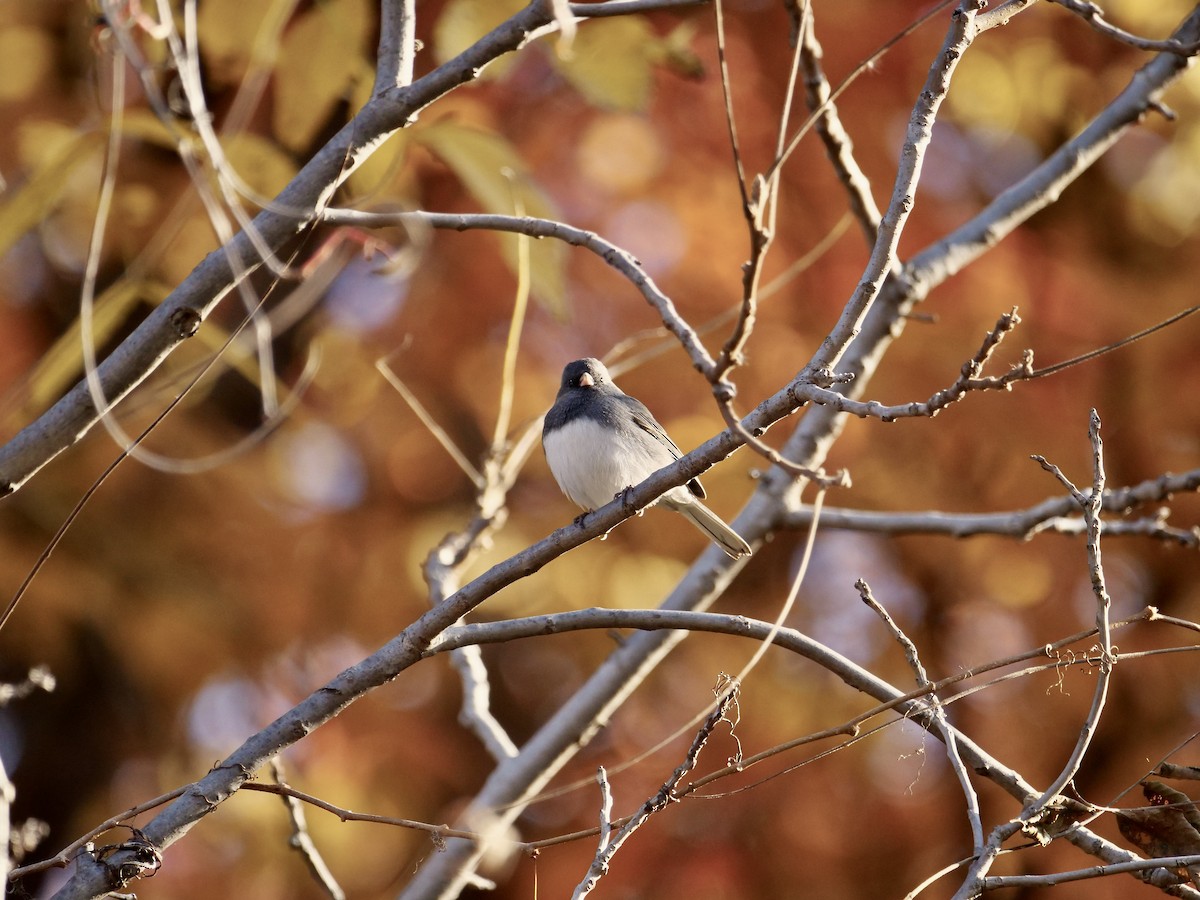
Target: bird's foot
(623, 495)
(581, 519)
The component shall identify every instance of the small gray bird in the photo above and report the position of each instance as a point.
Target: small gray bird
(600, 441)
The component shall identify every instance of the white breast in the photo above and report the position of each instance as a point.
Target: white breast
(592, 464)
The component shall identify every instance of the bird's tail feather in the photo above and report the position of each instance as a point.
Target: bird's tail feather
(713, 526)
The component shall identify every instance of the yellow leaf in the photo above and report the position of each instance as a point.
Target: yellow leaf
(259, 163)
(147, 127)
(492, 171)
(227, 32)
(677, 53)
(319, 61)
(42, 143)
(32, 202)
(62, 365)
(26, 61)
(463, 22)
(611, 62)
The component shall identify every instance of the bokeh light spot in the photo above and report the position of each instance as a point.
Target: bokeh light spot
(362, 299)
(620, 153)
(26, 58)
(652, 231)
(318, 468)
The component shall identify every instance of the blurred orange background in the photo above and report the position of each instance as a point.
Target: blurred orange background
(183, 612)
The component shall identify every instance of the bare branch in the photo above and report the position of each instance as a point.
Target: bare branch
(397, 44)
(557, 740)
(476, 713)
(1051, 515)
(838, 146)
(179, 316)
(1094, 16)
(1170, 770)
(1045, 183)
(1002, 14)
(920, 132)
(621, 260)
(659, 802)
(1036, 809)
(302, 841)
(437, 832)
(1132, 867)
(949, 737)
(71, 852)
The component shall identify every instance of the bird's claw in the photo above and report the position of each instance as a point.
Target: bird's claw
(623, 495)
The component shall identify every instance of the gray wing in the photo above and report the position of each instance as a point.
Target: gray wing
(644, 419)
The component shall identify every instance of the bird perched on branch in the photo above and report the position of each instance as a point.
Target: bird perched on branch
(599, 441)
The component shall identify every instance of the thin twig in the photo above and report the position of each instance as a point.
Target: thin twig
(949, 737)
(1045, 183)
(256, 436)
(302, 841)
(971, 377)
(516, 323)
(446, 562)
(1034, 810)
(64, 857)
(785, 610)
(438, 832)
(838, 146)
(735, 143)
(1049, 515)
(823, 480)
(864, 66)
(1094, 16)
(621, 260)
(1134, 866)
(912, 156)
(659, 802)
(760, 202)
(1116, 345)
(431, 425)
(759, 208)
